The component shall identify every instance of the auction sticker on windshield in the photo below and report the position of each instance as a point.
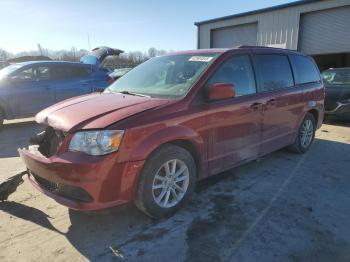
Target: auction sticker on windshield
(201, 58)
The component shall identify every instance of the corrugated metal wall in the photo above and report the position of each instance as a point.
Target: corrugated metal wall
(275, 28)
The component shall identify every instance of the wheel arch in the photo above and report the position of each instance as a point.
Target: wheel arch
(180, 136)
(315, 114)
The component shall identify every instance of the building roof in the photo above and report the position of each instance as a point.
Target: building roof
(263, 10)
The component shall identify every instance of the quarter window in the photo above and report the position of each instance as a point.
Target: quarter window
(304, 69)
(238, 72)
(273, 72)
(70, 72)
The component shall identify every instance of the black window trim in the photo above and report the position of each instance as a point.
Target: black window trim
(259, 91)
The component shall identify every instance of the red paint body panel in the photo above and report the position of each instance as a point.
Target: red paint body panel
(105, 180)
(222, 133)
(94, 111)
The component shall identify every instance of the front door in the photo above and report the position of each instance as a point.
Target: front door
(235, 123)
(32, 91)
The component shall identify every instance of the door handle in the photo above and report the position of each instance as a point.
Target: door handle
(255, 106)
(85, 83)
(271, 102)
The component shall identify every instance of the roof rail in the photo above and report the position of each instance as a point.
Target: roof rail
(263, 47)
(254, 46)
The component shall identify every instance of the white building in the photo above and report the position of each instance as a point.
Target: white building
(320, 28)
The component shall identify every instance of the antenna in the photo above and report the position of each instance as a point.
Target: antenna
(88, 38)
(40, 49)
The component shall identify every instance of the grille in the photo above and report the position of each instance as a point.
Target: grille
(46, 184)
(70, 192)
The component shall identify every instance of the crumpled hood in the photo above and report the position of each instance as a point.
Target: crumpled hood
(95, 110)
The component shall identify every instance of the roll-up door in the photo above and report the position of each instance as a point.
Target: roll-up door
(245, 34)
(325, 32)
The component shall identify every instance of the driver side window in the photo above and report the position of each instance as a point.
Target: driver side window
(27, 74)
(238, 72)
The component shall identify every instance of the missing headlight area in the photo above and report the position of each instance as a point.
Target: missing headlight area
(48, 141)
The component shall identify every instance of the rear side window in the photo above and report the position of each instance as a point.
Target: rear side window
(273, 72)
(304, 69)
(70, 72)
(80, 72)
(237, 71)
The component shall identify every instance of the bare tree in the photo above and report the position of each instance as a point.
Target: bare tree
(4, 55)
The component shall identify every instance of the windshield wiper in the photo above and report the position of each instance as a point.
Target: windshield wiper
(132, 94)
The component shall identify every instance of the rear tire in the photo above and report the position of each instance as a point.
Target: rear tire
(166, 182)
(305, 136)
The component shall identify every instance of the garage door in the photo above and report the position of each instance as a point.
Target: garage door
(325, 32)
(235, 35)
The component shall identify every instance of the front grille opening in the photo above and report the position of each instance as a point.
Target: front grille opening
(49, 141)
(69, 192)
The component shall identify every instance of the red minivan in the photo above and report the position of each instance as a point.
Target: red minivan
(171, 121)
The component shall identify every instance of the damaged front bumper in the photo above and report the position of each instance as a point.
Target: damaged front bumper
(81, 181)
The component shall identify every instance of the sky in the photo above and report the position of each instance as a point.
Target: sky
(129, 25)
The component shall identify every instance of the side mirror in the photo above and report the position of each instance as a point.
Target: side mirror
(220, 91)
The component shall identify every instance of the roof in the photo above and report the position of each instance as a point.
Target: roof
(50, 62)
(28, 58)
(199, 51)
(240, 47)
(263, 10)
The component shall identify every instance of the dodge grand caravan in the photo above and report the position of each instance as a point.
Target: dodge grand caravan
(171, 121)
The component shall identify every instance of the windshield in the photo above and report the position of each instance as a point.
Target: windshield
(336, 77)
(166, 76)
(8, 70)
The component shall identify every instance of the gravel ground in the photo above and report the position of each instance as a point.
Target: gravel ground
(286, 207)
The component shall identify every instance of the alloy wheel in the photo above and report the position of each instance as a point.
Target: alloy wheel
(170, 183)
(306, 133)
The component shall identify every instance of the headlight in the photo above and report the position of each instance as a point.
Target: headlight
(99, 142)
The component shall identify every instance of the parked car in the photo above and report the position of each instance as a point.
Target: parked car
(28, 87)
(171, 121)
(3, 64)
(337, 85)
(118, 73)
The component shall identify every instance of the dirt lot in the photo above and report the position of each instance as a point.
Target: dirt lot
(286, 207)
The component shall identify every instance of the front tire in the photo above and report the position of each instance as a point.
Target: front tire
(167, 180)
(306, 135)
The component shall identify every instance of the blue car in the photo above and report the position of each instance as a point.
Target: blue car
(27, 88)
